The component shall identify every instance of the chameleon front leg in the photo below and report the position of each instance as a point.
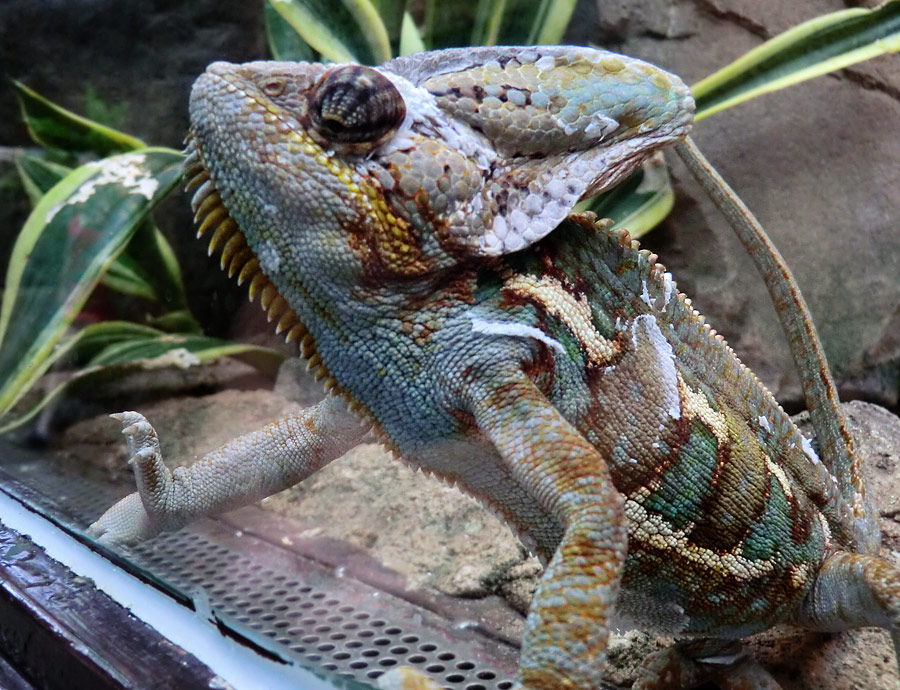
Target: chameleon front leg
(566, 629)
(242, 471)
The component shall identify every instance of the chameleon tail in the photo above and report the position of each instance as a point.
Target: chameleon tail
(818, 386)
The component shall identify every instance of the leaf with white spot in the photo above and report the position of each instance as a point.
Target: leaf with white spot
(68, 242)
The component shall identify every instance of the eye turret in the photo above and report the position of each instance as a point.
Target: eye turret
(353, 104)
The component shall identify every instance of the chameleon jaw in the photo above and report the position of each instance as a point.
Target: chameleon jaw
(238, 259)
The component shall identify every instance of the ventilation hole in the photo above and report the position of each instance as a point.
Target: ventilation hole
(454, 678)
(409, 639)
(374, 673)
(382, 642)
(392, 631)
(366, 633)
(378, 624)
(479, 686)
(359, 664)
(313, 657)
(446, 656)
(337, 636)
(427, 647)
(346, 609)
(327, 647)
(399, 651)
(350, 626)
(371, 653)
(502, 685)
(316, 595)
(310, 639)
(417, 659)
(341, 656)
(361, 616)
(330, 667)
(486, 675)
(387, 662)
(435, 668)
(466, 666)
(353, 644)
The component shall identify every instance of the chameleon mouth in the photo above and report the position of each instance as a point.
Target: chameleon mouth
(238, 259)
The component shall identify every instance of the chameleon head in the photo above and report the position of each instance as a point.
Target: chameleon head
(352, 173)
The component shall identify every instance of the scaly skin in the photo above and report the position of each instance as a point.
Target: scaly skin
(397, 223)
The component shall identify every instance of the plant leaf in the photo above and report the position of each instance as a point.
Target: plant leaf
(410, 38)
(55, 127)
(341, 30)
(816, 47)
(551, 20)
(129, 347)
(392, 13)
(67, 243)
(38, 175)
(148, 268)
(639, 203)
(284, 42)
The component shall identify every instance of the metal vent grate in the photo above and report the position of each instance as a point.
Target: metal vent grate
(318, 615)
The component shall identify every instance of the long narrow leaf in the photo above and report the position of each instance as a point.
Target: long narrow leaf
(68, 242)
(38, 175)
(811, 49)
(391, 13)
(54, 126)
(284, 42)
(410, 38)
(341, 30)
(551, 21)
(146, 352)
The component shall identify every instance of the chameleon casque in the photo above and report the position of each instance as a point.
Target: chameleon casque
(409, 226)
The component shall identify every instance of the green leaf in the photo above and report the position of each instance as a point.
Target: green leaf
(284, 42)
(410, 38)
(487, 22)
(341, 30)
(816, 47)
(126, 348)
(639, 203)
(55, 127)
(392, 13)
(550, 21)
(38, 175)
(68, 242)
(148, 268)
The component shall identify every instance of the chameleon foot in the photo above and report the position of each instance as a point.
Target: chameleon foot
(140, 515)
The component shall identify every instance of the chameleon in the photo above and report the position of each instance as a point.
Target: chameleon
(411, 227)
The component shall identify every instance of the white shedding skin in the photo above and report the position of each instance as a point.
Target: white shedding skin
(515, 330)
(764, 423)
(808, 449)
(645, 327)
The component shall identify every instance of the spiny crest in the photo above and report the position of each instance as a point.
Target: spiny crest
(238, 259)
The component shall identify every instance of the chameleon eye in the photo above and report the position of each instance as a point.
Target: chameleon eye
(355, 104)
